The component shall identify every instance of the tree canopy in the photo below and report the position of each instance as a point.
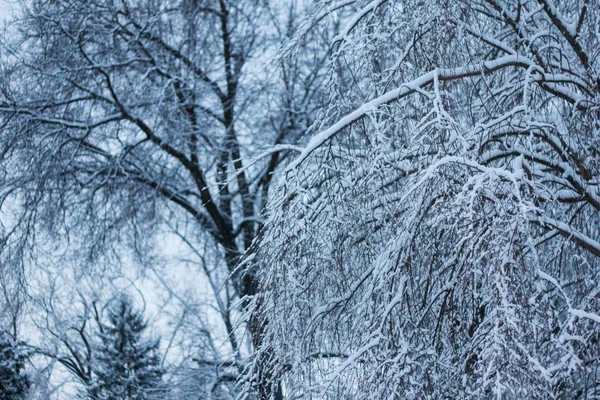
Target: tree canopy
(126, 364)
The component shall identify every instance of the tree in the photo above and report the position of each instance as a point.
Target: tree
(123, 118)
(125, 365)
(14, 382)
(438, 237)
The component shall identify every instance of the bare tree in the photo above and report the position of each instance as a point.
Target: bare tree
(122, 116)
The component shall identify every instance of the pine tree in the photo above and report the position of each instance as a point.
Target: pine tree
(125, 365)
(14, 383)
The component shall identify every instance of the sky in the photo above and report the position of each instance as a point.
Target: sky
(5, 9)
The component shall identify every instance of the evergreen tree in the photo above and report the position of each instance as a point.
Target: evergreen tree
(14, 383)
(126, 366)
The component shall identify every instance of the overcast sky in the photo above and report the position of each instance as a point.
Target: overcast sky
(5, 7)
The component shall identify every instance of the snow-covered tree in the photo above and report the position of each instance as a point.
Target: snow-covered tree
(14, 381)
(126, 365)
(439, 236)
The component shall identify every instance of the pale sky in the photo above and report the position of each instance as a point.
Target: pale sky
(5, 7)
